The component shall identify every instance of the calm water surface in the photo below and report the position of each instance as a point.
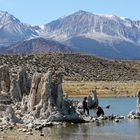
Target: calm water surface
(108, 130)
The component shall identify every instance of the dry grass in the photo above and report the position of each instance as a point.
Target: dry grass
(105, 89)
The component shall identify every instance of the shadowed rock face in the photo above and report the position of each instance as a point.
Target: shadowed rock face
(4, 79)
(4, 86)
(20, 85)
(12, 86)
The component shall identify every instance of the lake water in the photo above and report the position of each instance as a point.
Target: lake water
(108, 130)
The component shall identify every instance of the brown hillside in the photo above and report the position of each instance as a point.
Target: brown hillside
(77, 67)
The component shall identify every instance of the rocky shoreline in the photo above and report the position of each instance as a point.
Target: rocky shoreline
(28, 105)
(33, 130)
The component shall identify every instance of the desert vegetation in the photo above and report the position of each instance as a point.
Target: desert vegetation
(103, 89)
(76, 67)
(82, 73)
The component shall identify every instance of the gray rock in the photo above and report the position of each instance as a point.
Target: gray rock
(4, 79)
(45, 100)
(93, 100)
(117, 120)
(29, 133)
(10, 115)
(42, 101)
(138, 103)
(20, 85)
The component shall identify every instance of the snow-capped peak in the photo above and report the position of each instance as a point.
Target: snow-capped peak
(42, 27)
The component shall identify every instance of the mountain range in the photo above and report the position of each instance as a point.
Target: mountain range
(95, 34)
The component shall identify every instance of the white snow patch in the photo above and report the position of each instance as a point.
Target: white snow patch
(123, 18)
(42, 27)
(62, 17)
(108, 16)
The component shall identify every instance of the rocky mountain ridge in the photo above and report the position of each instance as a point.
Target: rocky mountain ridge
(101, 35)
(12, 30)
(93, 26)
(36, 45)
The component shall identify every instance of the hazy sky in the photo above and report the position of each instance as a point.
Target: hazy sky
(44, 11)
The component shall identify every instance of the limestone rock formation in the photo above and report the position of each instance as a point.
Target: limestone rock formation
(136, 114)
(93, 100)
(46, 101)
(10, 115)
(4, 87)
(4, 80)
(39, 99)
(13, 85)
(34, 97)
(138, 103)
(20, 85)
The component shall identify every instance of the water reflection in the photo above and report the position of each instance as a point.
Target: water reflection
(124, 130)
(104, 130)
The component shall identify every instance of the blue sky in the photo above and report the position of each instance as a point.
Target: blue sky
(43, 11)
